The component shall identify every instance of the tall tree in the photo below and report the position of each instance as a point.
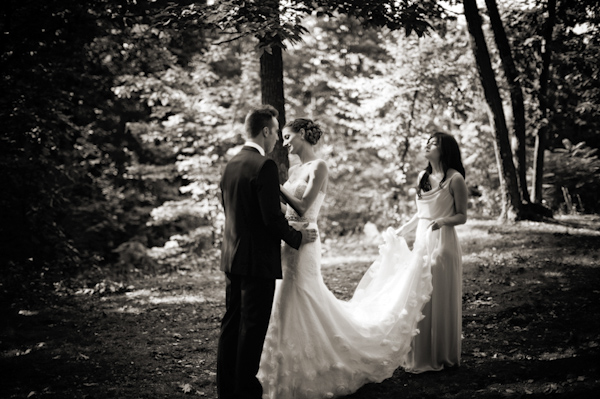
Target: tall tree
(273, 22)
(237, 19)
(271, 77)
(46, 87)
(558, 73)
(511, 204)
(516, 96)
(65, 145)
(542, 134)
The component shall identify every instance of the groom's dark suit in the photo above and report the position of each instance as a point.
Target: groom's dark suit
(251, 260)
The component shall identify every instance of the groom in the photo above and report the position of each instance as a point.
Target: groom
(250, 255)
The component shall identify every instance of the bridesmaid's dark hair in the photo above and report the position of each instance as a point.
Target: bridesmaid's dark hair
(449, 158)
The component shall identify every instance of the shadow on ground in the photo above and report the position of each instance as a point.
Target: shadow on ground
(531, 325)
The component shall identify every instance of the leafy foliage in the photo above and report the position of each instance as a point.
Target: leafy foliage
(46, 115)
(380, 97)
(574, 93)
(65, 148)
(573, 178)
(119, 116)
(272, 19)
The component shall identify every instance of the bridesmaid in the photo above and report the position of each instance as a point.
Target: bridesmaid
(441, 204)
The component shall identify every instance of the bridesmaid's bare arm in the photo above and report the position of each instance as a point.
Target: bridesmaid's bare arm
(459, 191)
(412, 224)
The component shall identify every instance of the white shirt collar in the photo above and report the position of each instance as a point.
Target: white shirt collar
(254, 145)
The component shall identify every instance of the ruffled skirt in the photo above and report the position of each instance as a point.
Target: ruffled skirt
(318, 346)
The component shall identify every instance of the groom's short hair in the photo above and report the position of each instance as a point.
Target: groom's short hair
(258, 118)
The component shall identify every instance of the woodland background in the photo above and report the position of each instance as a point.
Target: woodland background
(118, 117)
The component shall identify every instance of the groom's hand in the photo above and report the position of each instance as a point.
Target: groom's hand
(309, 235)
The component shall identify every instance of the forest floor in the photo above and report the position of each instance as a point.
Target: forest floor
(531, 325)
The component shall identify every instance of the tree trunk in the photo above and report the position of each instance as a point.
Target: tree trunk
(271, 87)
(404, 152)
(516, 96)
(271, 82)
(512, 206)
(542, 134)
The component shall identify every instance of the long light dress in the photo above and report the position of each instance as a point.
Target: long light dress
(438, 345)
(318, 346)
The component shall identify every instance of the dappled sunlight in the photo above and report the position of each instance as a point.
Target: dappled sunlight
(22, 352)
(147, 296)
(126, 310)
(525, 245)
(526, 300)
(137, 301)
(124, 114)
(334, 260)
(559, 353)
(578, 261)
(24, 312)
(470, 259)
(554, 274)
(178, 299)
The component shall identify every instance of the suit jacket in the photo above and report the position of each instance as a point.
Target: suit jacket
(254, 223)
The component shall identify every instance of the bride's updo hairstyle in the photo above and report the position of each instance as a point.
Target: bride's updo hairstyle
(449, 158)
(312, 131)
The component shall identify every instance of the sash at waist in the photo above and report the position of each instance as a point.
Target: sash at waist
(296, 218)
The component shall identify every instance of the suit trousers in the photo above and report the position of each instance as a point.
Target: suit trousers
(248, 308)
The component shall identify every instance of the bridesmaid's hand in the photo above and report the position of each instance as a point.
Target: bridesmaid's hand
(435, 225)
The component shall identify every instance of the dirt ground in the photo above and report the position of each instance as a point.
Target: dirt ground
(531, 325)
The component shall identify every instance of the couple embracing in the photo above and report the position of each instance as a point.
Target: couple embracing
(284, 335)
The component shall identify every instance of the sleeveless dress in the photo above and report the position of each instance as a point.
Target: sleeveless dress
(439, 343)
(318, 346)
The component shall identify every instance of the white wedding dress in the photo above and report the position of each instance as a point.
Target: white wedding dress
(318, 346)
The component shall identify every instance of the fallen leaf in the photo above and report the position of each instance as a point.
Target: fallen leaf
(186, 388)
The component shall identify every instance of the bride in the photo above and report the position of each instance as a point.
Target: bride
(318, 346)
